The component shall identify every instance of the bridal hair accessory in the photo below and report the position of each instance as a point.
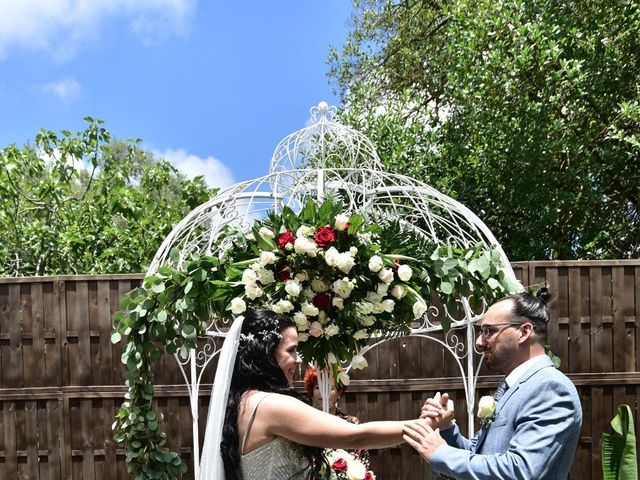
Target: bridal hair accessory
(266, 333)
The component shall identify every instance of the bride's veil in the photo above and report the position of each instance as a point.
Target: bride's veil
(211, 466)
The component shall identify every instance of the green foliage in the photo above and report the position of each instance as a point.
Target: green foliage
(527, 112)
(619, 458)
(174, 306)
(84, 203)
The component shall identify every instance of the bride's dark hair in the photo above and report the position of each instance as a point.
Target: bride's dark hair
(256, 368)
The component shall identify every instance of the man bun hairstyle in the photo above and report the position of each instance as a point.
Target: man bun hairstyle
(532, 307)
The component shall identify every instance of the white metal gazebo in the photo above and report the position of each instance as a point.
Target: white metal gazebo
(328, 158)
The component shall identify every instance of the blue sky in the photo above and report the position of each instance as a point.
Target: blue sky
(212, 86)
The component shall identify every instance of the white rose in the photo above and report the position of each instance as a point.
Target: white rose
(382, 289)
(366, 308)
(265, 276)
(345, 262)
(268, 258)
(306, 246)
(343, 379)
(249, 277)
(353, 251)
(309, 310)
(386, 275)
(343, 287)
(388, 305)
(292, 288)
(375, 264)
(341, 222)
(307, 294)
(266, 232)
(486, 407)
(338, 303)
(285, 306)
(332, 330)
(301, 321)
(377, 308)
(374, 297)
(355, 469)
(359, 362)
(419, 308)
(367, 320)
(303, 336)
(302, 276)
(252, 291)
(405, 272)
(318, 285)
(332, 256)
(360, 335)
(398, 291)
(238, 306)
(315, 329)
(304, 231)
(323, 317)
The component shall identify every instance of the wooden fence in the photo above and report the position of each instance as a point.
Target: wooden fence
(62, 381)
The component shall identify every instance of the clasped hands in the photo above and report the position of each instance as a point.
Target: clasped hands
(424, 435)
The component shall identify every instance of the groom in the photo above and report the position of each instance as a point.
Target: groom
(534, 431)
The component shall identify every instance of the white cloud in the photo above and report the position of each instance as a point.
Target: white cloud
(216, 173)
(67, 89)
(61, 27)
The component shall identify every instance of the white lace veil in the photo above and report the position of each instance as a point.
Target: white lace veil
(211, 466)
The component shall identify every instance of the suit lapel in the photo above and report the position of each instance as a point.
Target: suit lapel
(544, 362)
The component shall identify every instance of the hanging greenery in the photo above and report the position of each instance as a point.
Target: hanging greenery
(342, 277)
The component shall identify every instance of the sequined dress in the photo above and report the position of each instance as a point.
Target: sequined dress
(279, 459)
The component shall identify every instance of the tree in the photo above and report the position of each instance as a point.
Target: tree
(84, 203)
(527, 112)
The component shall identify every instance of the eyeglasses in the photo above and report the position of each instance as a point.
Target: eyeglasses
(487, 331)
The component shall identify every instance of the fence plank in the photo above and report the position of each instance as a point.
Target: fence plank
(55, 422)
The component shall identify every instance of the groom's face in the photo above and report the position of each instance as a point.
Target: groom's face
(499, 338)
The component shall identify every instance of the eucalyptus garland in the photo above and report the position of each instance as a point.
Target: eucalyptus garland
(342, 277)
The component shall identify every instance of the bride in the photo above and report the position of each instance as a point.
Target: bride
(269, 430)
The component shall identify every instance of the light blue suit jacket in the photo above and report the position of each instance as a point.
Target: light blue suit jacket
(532, 437)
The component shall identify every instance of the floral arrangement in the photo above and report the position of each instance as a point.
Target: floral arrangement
(346, 466)
(486, 410)
(343, 277)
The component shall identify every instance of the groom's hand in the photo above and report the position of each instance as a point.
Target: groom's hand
(423, 438)
(439, 411)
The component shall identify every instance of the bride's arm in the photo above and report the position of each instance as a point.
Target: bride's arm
(292, 419)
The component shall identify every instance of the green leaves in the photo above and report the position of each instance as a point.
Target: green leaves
(619, 460)
(82, 203)
(527, 112)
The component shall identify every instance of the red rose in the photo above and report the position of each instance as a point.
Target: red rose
(322, 300)
(284, 273)
(369, 475)
(285, 238)
(340, 465)
(325, 236)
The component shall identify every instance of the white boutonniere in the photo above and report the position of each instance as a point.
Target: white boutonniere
(486, 410)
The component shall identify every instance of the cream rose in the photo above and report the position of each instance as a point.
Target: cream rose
(375, 264)
(486, 407)
(404, 273)
(341, 222)
(238, 306)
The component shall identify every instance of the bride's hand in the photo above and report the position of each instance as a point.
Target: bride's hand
(438, 411)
